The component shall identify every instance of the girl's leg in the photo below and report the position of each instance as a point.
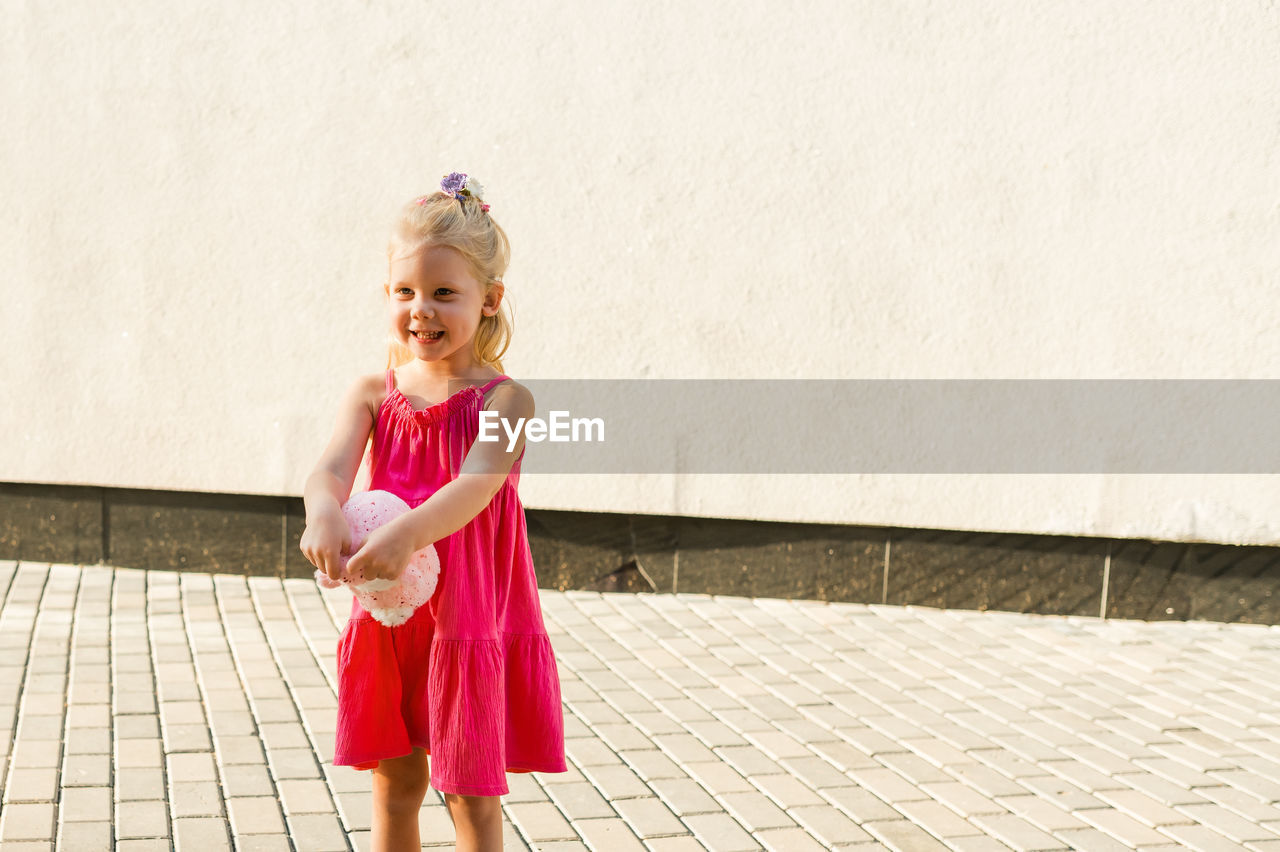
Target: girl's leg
(399, 787)
(477, 822)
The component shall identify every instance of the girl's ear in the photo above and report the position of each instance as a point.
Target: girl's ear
(492, 299)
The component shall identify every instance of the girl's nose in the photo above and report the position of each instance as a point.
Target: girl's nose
(424, 311)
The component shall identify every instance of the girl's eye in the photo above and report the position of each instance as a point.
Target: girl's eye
(443, 291)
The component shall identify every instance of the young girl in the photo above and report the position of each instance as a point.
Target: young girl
(470, 678)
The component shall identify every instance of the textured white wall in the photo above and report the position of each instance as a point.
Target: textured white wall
(197, 196)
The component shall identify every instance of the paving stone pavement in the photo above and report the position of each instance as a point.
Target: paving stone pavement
(158, 711)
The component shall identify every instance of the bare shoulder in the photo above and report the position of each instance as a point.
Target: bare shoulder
(368, 390)
(511, 398)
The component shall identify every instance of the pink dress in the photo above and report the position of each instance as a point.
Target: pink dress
(470, 676)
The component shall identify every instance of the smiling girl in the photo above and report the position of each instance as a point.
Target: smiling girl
(470, 678)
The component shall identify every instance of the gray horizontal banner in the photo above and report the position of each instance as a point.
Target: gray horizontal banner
(811, 426)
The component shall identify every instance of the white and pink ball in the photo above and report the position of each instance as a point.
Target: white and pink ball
(391, 602)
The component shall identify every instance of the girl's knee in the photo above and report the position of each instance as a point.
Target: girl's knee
(401, 784)
(474, 807)
(399, 801)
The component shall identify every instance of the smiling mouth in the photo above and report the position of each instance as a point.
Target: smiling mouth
(428, 335)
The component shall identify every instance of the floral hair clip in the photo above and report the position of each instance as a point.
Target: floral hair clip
(457, 184)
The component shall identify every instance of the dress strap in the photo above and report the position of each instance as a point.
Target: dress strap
(391, 379)
(489, 384)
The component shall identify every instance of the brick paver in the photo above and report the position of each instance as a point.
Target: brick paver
(157, 710)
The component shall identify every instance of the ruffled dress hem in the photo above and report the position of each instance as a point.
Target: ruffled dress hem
(369, 764)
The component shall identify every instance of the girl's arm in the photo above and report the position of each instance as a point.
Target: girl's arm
(327, 534)
(386, 552)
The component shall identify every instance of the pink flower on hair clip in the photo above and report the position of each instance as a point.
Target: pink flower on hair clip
(421, 200)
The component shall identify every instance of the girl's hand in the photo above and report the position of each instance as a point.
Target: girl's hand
(325, 540)
(383, 555)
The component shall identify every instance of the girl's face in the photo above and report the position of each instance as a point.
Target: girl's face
(436, 304)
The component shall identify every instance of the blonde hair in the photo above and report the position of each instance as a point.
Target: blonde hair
(459, 223)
